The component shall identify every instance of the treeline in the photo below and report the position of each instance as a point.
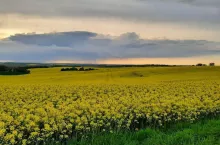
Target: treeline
(4, 70)
(31, 67)
(146, 65)
(51, 65)
(201, 64)
(76, 69)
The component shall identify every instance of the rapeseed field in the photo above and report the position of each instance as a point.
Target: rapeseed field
(52, 106)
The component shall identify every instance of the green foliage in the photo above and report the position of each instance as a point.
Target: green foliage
(3, 68)
(192, 134)
(13, 70)
(69, 69)
(76, 69)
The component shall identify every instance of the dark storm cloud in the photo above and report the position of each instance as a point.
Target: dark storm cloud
(59, 39)
(92, 46)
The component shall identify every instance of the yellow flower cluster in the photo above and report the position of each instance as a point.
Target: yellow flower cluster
(36, 113)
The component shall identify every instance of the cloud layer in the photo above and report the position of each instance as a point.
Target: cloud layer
(88, 46)
(184, 11)
(173, 19)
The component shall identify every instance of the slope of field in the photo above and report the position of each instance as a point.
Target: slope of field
(115, 75)
(53, 106)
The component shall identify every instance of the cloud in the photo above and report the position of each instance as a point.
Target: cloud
(88, 46)
(212, 3)
(182, 11)
(16, 51)
(174, 19)
(2, 35)
(59, 39)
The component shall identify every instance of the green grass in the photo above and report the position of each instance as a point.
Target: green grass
(204, 132)
(130, 75)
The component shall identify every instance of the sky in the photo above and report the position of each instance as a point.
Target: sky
(110, 31)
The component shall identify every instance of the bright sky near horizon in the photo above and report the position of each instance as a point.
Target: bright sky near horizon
(110, 31)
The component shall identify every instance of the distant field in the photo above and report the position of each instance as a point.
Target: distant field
(111, 105)
(115, 75)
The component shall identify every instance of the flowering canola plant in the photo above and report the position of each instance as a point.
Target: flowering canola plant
(38, 113)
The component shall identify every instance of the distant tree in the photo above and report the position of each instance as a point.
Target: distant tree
(199, 64)
(74, 69)
(69, 69)
(89, 69)
(81, 69)
(212, 64)
(13, 70)
(20, 70)
(3, 68)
